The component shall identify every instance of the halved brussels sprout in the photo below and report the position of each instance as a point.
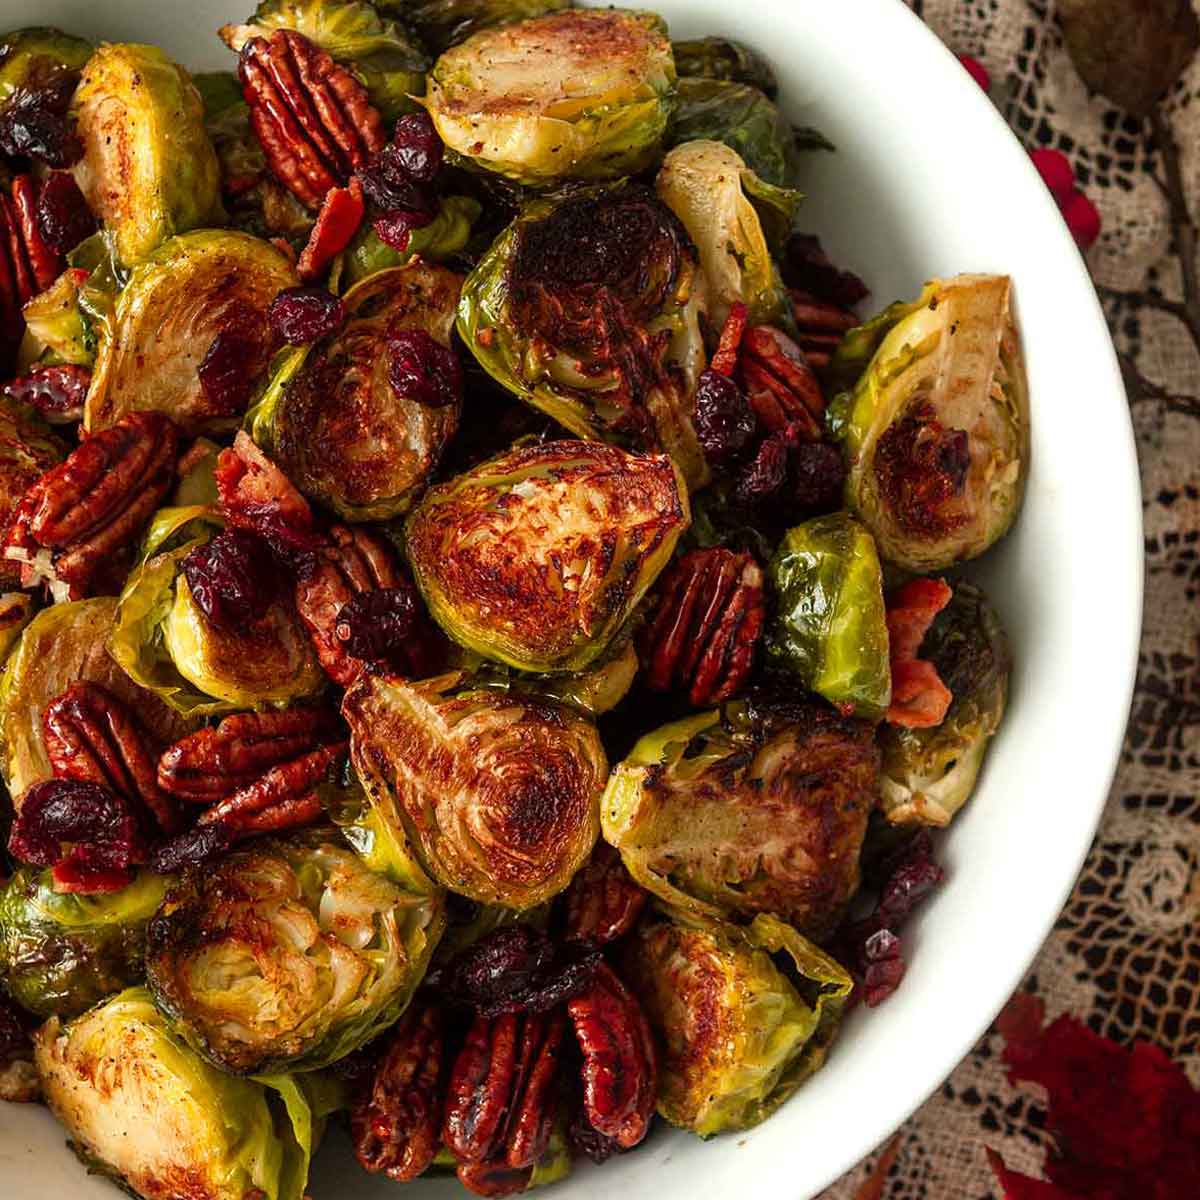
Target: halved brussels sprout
(724, 59)
(333, 420)
(538, 557)
(382, 54)
(729, 212)
(56, 330)
(731, 813)
(444, 237)
(829, 626)
(936, 429)
(16, 611)
(588, 308)
(62, 952)
(37, 58)
(148, 169)
(27, 450)
(579, 94)
(191, 289)
(496, 795)
(288, 954)
(141, 1106)
(740, 1029)
(168, 646)
(929, 774)
(441, 23)
(63, 645)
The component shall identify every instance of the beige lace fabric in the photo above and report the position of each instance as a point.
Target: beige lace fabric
(1125, 955)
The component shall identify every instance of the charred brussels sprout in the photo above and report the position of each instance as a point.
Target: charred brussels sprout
(148, 168)
(16, 611)
(745, 1016)
(580, 94)
(37, 59)
(732, 813)
(732, 216)
(288, 955)
(62, 952)
(167, 644)
(723, 59)
(538, 557)
(334, 418)
(587, 308)
(496, 794)
(191, 290)
(27, 450)
(829, 626)
(142, 1107)
(441, 23)
(928, 774)
(935, 426)
(387, 60)
(444, 237)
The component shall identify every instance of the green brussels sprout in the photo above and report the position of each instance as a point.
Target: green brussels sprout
(330, 416)
(62, 952)
(935, 424)
(288, 954)
(578, 94)
(140, 1106)
(63, 645)
(732, 216)
(496, 795)
(929, 774)
(166, 317)
(444, 237)
(829, 627)
(588, 308)
(724, 59)
(537, 558)
(148, 169)
(441, 23)
(16, 611)
(27, 450)
(35, 59)
(219, 91)
(168, 646)
(56, 330)
(735, 812)
(382, 54)
(744, 1015)
(742, 118)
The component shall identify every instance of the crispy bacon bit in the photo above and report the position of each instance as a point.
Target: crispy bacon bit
(338, 221)
(724, 361)
(919, 697)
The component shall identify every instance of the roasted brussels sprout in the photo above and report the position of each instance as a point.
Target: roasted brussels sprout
(724, 59)
(35, 59)
(537, 558)
(62, 952)
(579, 94)
(385, 57)
(745, 1016)
(497, 794)
(289, 954)
(731, 813)
(189, 291)
(167, 645)
(928, 774)
(441, 23)
(332, 417)
(16, 611)
(588, 308)
(444, 237)
(63, 645)
(27, 450)
(141, 1106)
(729, 213)
(148, 169)
(936, 429)
(56, 329)
(829, 627)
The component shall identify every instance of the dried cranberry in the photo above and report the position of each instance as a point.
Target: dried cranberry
(585, 1141)
(911, 874)
(233, 578)
(819, 475)
(806, 266)
(57, 393)
(14, 1031)
(373, 624)
(764, 476)
(231, 363)
(63, 214)
(420, 368)
(302, 315)
(389, 186)
(418, 149)
(882, 964)
(197, 845)
(724, 420)
(34, 124)
(395, 228)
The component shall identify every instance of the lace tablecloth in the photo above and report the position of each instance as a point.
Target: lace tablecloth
(1125, 956)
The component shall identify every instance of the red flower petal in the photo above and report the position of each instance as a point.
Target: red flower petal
(1021, 1187)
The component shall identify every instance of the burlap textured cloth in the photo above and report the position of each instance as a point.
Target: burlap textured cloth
(1125, 956)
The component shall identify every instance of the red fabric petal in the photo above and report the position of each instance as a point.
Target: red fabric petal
(337, 222)
(1022, 1187)
(920, 699)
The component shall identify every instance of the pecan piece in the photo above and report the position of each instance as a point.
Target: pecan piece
(493, 1178)
(92, 737)
(311, 116)
(620, 1062)
(27, 263)
(395, 1124)
(782, 388)
(75, 521)
(602, 902)
(706, 626)
(822, 326)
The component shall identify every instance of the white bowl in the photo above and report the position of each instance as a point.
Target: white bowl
(927, 181)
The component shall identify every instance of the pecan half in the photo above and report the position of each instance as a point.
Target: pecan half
(780, 385)
(27, 263)
(602, 902)
(620, 1062)
(73, 523)
(311, 116)
(706, 625)
(395, 1124)
(91, 737)
(494, 1178)
(822, 326)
